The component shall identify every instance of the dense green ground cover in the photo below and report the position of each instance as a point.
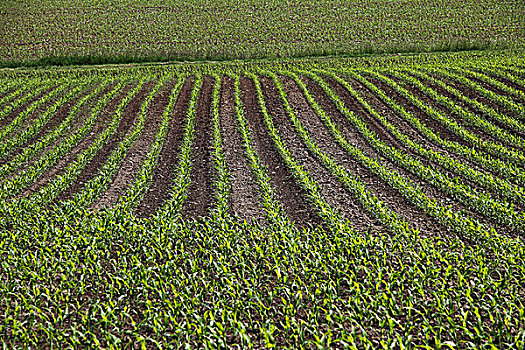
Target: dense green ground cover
(74, 276)
(78, 31)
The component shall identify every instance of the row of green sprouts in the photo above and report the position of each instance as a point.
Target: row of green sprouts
(77, 273)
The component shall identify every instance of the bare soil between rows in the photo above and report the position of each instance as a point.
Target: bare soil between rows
(287, 191)
(159, 190)
(76, 123)
(200, 193)
(136, 154)
(14, 113)
(128, 117)
(244, 201)
(100, 124)
(384, 191)
(58, 117)
(415, 215)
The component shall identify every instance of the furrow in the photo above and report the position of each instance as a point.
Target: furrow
(178, 192)
(326, 143)
(244, 202)
(398, 103)
(142, 180)
(71, 125)
(438, 187)
(99, 183)
(137, 153)
(103, 119)
(200, 192)
(128, 118)
(371, 110)
(287, 191)
(479, 127)
(162, 180)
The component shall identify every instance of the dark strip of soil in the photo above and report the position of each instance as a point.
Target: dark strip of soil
(11, 116)
(245, 202)
(427, 120)
(447, 200)
(402, 124)
(162, 182)
(11, 100)
(77, 122)
(318, 132)
(407, 129)
(473, 95)
(494, 89)
(103, 120)
(134, 158)
(384, 135)
(475, 131)
(287, 191)
(128, 117)
(508, 82)
(200, 193)
(53, 122)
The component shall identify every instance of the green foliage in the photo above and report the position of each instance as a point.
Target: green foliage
(79, 32)
(74, 277)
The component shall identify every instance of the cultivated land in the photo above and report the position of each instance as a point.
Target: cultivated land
(333, 202)
(99, 31)
(317, 203)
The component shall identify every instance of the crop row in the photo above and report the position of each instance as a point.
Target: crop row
(503, 178)
(110, 278)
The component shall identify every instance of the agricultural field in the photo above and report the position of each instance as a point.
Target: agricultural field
(359, 203)
(118, 31)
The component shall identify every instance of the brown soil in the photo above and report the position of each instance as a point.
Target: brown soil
(100, 125)
(318, 132)
(385, 136)
(11, 100)
(134, 158)
(494, 89)
(473, 95)
(475, 131)
(200, 193)
(245, 202)
(508, 82)
(403, 125)
(425, 119)
(76, 123)
(57, 117)
(128, 117)
(9, 118)
(287, 191)
(162, 181)
(430, 190)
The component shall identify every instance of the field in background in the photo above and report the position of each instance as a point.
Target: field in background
(66, 32)
(322, 203)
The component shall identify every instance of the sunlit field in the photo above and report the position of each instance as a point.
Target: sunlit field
(371, 201)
